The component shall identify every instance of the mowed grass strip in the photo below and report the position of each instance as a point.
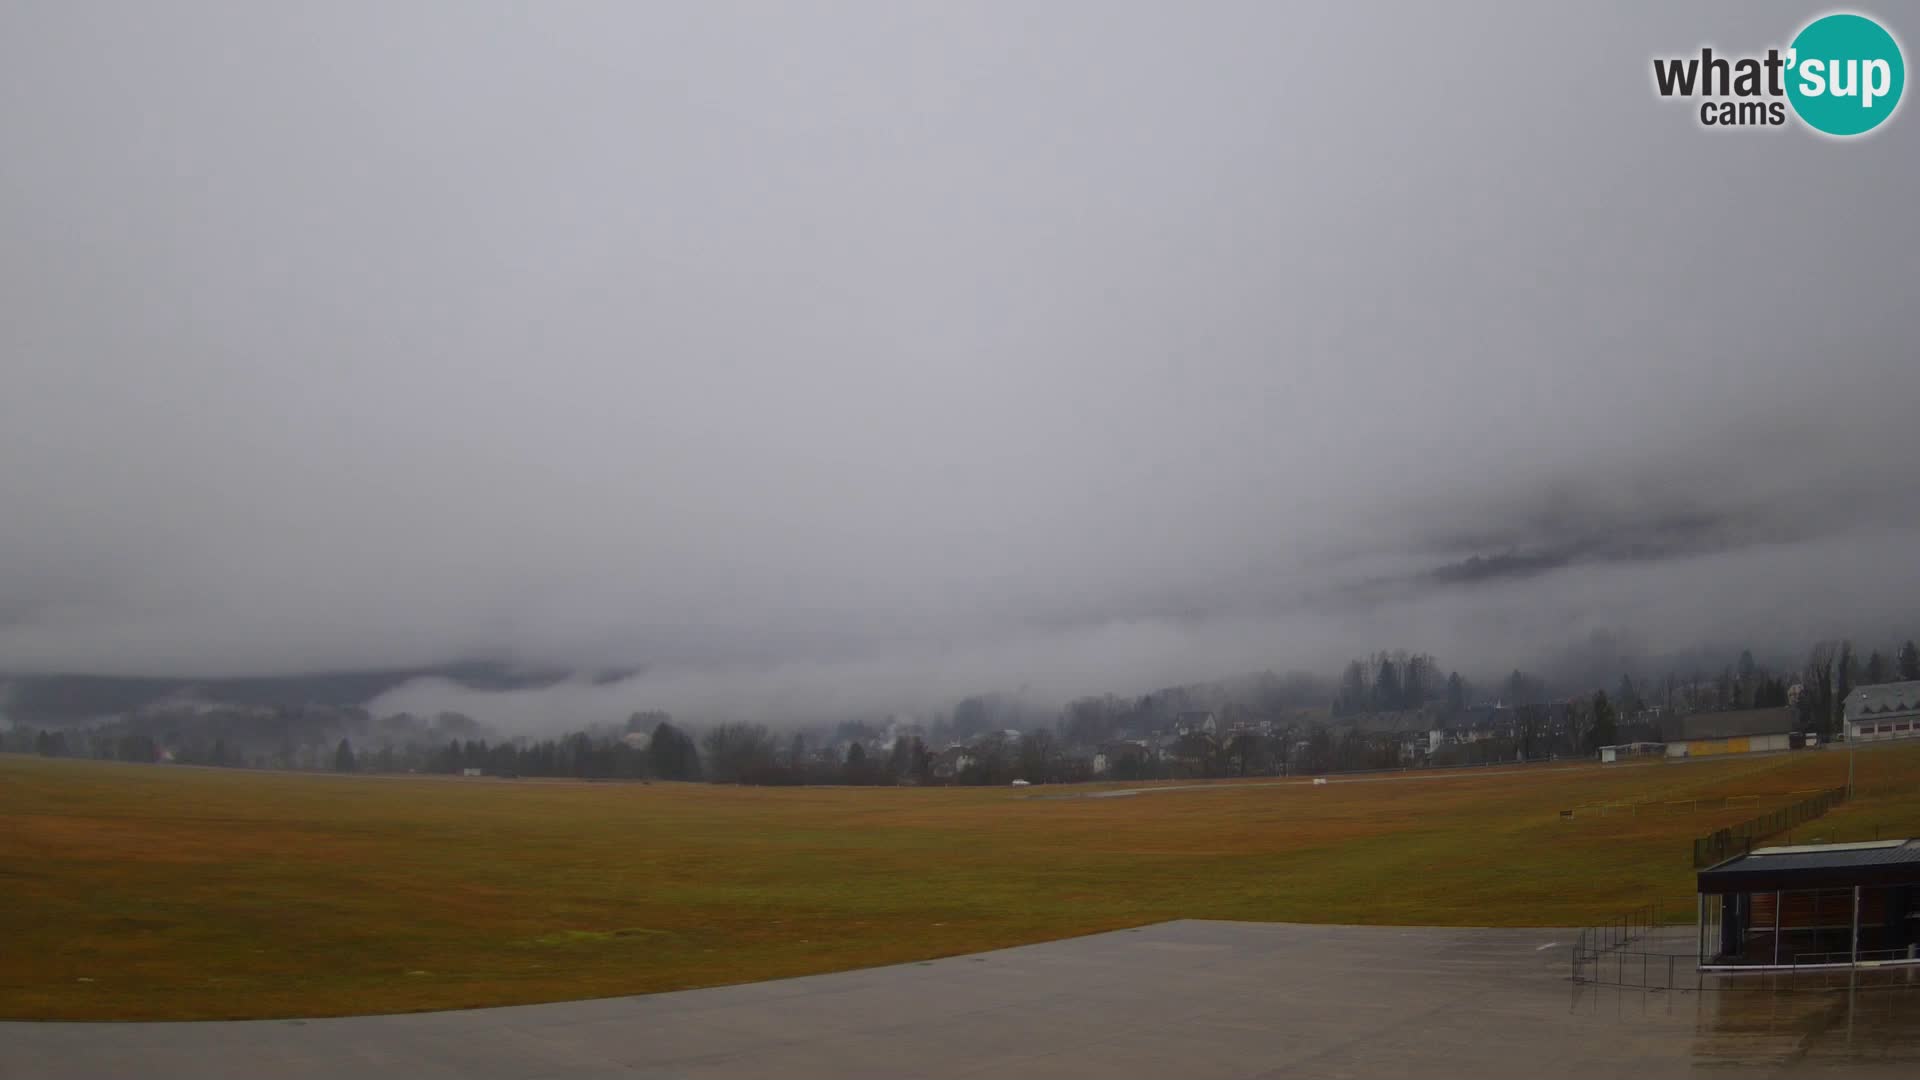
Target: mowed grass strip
(137, 892)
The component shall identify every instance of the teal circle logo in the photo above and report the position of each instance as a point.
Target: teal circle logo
(1845, 74)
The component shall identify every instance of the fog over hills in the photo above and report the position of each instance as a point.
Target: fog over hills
(753, 362)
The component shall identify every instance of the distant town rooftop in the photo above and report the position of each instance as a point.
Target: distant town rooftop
(1732, 724)
(1883, 698)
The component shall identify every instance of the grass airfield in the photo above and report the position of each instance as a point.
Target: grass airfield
(142, 892)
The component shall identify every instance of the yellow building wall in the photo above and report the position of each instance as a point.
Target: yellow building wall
(1705, 747)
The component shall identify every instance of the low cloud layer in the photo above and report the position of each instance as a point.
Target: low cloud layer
(851, 360)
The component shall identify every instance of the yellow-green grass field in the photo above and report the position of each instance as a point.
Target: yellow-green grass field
(147, 892)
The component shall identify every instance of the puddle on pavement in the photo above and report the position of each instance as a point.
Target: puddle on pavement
(1869, 1018)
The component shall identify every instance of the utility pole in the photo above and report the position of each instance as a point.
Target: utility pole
(1842, 705)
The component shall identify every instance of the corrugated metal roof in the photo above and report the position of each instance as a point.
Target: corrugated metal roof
(1816, 865)
(1800, 849)
(1726, 725)
(1827, 856)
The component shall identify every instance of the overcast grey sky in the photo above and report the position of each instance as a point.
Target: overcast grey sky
(838, 356)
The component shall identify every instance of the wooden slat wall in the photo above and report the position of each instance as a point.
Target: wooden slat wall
(1798, 910)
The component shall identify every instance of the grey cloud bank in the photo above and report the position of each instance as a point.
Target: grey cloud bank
(854, 357)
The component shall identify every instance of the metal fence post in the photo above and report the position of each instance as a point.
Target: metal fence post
(1854, 956)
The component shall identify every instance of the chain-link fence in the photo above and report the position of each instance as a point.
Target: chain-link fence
(1611, 938)
(1640, 969)
(1656, 970)
(1639, 950)
(1724, 844)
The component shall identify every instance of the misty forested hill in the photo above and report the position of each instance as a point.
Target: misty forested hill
(60, 699)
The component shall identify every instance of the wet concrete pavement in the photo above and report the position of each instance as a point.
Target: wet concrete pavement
(1192, 999)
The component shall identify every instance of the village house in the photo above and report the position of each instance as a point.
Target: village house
(948, 763)
(1885, 711)
(1112, 754)
(1200, 721)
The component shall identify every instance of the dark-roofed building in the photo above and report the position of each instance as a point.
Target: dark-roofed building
(1195, 722)
(1120, 754)
(1815, 905)
(1738, 732)
(1885, 711)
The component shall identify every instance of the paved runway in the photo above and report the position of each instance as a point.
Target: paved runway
(1187, 999)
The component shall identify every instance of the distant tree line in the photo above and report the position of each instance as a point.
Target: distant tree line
(1374, 717)
(1394, 682)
